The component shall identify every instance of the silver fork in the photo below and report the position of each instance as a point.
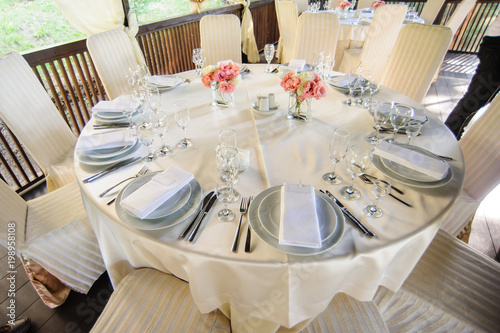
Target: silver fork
(140, 173)
(249, 230)
(243, 209)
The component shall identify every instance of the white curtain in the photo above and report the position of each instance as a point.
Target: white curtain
(94, 16)
(248, 43)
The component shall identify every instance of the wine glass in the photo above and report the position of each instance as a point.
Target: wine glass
(129, 107)
(318, 60)
(227, 163)
(227, 138)
(413, 129)
(159, 124)
(358, 160)
(366, 78)
(399, 117)
(182, 119)
(352, 84)
(154, 98)
(381, 113)
(146, 137)
(198, 59)
(224, 194)
(269, 54)
(373, 86)
(338, 149)
(380, 188)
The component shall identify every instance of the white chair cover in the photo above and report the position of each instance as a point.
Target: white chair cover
(147, 300)
(459, 15)
(54, 231)
(113, 56)
(453, 288)
(431, 10)
(415, 58)
(33, 118)
(481, 148)
(220, 38)
(302, 5)
(365, 4)
(382, 34)
(346, 314)
(316, 32)
(287, 23)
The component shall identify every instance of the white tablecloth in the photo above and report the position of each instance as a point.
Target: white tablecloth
(267, 286)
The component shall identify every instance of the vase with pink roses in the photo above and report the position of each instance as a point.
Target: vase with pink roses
(302, 88)
(222, 79)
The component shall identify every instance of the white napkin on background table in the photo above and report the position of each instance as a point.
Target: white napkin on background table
(299, 224)
(412, 159)
(164, 81)
(147, 198)
(114, 106)
(105, 140)
(297, 63)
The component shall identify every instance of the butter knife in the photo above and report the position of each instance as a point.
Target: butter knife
(111, 168)
(200, 218)
(205, 202)
(352, 218)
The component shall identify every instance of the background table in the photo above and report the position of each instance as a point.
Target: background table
(266, 286)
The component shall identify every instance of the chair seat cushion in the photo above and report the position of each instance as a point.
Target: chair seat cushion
(148, 300)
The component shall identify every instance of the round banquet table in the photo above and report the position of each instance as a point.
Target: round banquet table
(267, 288)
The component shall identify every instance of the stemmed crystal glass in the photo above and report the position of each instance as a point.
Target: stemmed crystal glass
(227, 163)
(227, 138)
(399, 117)
(380, 188)
(269, 54)
(129, 108)
(318, 61)
(159, 124)
(198, 59)
(154, 98)
(338, 149)
(366, 78)
(182, 119)
(381, 113)
(413, 129)
(146, 137)
(352, 84)
(224, 194)
(358, 160)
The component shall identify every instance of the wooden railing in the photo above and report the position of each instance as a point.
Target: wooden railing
(68, 74)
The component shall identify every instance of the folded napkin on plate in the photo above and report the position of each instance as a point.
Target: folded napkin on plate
(244, 156)
(115, 105)
(164, 81)
(414, 160)
(297, 63)
(299, 225)
(155, 192)
(106, 140)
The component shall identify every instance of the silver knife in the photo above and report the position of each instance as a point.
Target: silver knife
(205, 203)
(351, 217)
(205, 212)
(111, 169)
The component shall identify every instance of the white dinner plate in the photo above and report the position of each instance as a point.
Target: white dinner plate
(264, 217)
(182, 206)
(84, 158)
(340, 83)
(409, 176)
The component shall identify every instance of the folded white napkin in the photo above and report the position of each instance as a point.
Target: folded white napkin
(164, 81)
(244, 156)
(297, 63)
(115, 105)
(412, 159)
(155, 192)
(105, 140)
(299, 225)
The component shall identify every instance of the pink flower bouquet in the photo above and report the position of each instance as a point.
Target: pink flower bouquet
(301, 87)
(344, 4)
(226, 75)
(377, 3)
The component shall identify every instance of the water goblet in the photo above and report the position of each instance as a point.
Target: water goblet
(399, 117)
(146, 137)
(182, 119)
(198, 58)
(223, 192)
(227, 138)
(338, 149)
(129, 107)
(154, 98)
(413, 129)
(380, 188)
(328, 64)
(381, 113)
(227, 163)
(352, 84)
(366, 78)
(269, 54)
(159, 124)
(358, 160)
(318, 60)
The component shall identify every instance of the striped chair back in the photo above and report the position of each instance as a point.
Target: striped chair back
(302, 5)
(459, 15)
(221, 38)
(365, 4)
(287, 23)
(316, 32)
(415, 58)
(31, 115)
(481, 148)
(113, 56)
(13, 217)
(431, 10)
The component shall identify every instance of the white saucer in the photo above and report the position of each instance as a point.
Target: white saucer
(264, 113)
